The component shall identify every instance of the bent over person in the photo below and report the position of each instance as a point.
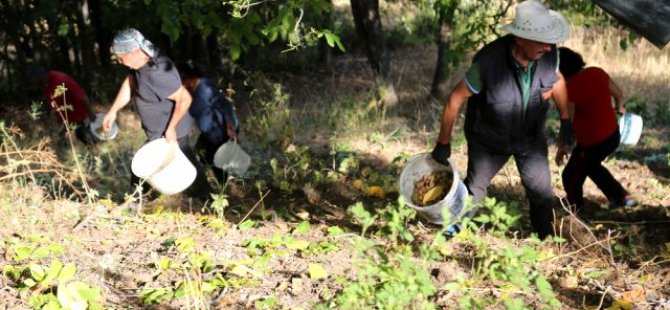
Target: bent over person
(78, 110)
(508, 87)
(162, 102)
(213, 113)
(590, 93)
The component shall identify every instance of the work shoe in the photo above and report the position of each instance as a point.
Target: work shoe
(626, 202)
(452, 230)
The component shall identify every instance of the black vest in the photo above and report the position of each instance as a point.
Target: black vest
(494, 118)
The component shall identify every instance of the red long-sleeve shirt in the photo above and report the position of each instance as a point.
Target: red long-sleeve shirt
(74, 96)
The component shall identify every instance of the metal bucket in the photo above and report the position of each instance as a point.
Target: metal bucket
(421, 165)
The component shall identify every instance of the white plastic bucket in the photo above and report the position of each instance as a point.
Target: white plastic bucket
(630, 128)
(164, 166)
(422, 165)
(95, 126)
(232, 158)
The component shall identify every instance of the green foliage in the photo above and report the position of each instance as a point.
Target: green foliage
(394, 220)
(638, 106)
(55, 277)
(499, 217)
(256, 23)
(507, 267)
(388, 276)
(662, 112)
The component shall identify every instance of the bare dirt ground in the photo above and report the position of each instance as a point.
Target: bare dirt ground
(124, 253)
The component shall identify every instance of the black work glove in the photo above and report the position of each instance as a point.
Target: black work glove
(566, 134)
(441, 153)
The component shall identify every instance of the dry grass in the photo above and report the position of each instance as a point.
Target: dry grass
(641, 70)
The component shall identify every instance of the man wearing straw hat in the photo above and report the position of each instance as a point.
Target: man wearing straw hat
(508, 88)
(161, 100)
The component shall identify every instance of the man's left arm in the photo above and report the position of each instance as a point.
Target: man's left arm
(182, 101)
(560, 95)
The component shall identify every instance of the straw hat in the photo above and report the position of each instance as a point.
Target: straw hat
(535, 22)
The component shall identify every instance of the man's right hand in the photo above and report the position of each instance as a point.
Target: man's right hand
(108, 121)
(441, 153)
(562, 153)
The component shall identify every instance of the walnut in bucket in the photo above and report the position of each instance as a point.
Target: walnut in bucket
(432, 188)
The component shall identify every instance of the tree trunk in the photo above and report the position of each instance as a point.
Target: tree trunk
(369, 29)
(87, 48)
(103, 35)
(213, 49)
(439, 89)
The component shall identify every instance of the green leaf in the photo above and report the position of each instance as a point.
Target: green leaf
(70, 296)
(302, 228)
(11, 272)
(29, 282)
(22, 252)
(515, 304)
(52, 273)
(316, 271)
(297, 244)
(246, 225)
(37, 272)
(164, 263)
(67, 273)
(185, 245)
(40, 253)
(335, 231)
(235, 52)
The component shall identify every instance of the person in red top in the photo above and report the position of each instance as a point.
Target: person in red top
(590, 93)
(78, 113)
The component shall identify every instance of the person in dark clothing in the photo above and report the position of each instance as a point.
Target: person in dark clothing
(161, 101)
(213, 113)
(590, 93)
(508, 87)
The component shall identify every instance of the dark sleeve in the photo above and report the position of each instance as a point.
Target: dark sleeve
(227, 108)
(221, 103)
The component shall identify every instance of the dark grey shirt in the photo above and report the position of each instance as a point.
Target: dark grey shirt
(154, 83)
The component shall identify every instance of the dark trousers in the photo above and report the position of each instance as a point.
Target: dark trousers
(586, 161)
(533, 166)
(84, 135)
(206, 150)
(200, 187)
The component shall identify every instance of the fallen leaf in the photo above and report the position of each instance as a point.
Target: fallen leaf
(358, 183)
(376, 191)
(316, 271)
(635, 295)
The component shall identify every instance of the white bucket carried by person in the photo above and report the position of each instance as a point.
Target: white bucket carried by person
(232, 158)
(421, 165)
(164, 166)
(630, 128)
(99, 133)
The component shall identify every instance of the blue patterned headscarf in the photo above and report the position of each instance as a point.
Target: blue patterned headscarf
(130, 39)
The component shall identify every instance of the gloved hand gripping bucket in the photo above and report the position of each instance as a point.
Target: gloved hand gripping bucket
(421, 165)
(164, 166)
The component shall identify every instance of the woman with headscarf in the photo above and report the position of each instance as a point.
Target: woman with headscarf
(162, 102)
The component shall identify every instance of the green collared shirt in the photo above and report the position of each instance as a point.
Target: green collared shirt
(474, 81)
